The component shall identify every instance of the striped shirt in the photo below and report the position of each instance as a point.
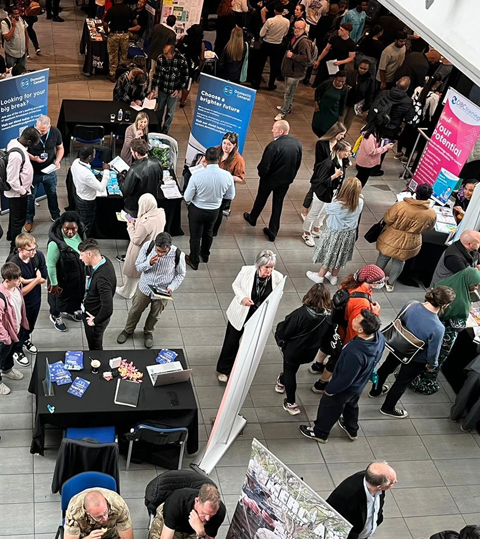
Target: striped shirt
(163, 274)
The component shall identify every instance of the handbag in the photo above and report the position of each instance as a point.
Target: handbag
(373, 233)
(403, 344)
(34, 8)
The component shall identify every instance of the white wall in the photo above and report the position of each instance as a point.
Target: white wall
(451, 26)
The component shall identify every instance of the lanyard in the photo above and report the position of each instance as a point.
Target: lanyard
(46, 138)
(89, 282)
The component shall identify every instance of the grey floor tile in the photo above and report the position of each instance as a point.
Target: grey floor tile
(343, 450)
(435, 426)
(133, 482)
(410, 397)
(467, 498)
(451, 446)
(393, 527)
(138, 511)
(411, 473)
(296, 451)
(45, 464)
(317, 477)
(429, 501)
(196, 318)
(231, 479)
(17, 401)
(203, 355)
(15, 459)
(428, 525)
(434, 410)
(459, 472)
(16, 489)
(238, 454)
(16, 438)
(340, 471)
(15, 420)
(43, 488)
(47, 517)
(471, 518)
(198, 336)
(388, 428)
(18, 520)
(398, 448)
(276, 414)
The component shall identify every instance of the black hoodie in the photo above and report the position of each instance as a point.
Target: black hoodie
(402, 110)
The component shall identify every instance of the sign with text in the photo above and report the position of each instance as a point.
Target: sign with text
(455, 134)
(275, 503)
(22, 100)
(187, 13)
(221, 106)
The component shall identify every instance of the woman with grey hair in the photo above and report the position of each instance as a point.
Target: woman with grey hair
(251, 287)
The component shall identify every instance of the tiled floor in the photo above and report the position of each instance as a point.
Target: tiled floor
(438, 467)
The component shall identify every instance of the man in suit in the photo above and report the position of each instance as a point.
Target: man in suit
(360, 498)
(277, 170)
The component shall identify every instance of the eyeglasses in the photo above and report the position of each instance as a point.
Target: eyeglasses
(100, 518)
(32, 250)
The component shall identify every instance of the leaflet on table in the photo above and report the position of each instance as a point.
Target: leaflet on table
(51, 168)
(147, 104)
(119, 164)
(332, 68)
(166, 356)
(59, 374)
(170, 190)
(445, 215)
(74, 360)
(78, 387)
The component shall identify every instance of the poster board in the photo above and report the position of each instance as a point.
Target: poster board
(187, 12)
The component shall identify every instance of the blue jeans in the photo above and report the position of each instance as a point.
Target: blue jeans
(290, 87)
(50, 185)
(10, 61)
(165, 100)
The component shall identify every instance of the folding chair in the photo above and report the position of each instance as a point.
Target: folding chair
(87, 134)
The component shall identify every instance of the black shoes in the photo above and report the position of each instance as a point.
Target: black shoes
(246, 216)
(269, 234)
(319, 387)
(58, 19)
(341, 424)
(316, 368)
(397, 413)
(190, 263)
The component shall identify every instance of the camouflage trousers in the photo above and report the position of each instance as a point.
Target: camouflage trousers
(117, 45)
(157, 527)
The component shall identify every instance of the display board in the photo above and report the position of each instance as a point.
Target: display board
(221, 107)
(187, 12)
(276, 503)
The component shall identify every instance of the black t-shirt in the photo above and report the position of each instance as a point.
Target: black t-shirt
(177, 508)
(341, 48)
(372, 47)
(29, 271)
(142, 20)
(288, 9)
(119, 17)
(48, 143)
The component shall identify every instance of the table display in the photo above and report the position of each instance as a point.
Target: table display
(94, 46)
(173, 405)
(85, 112)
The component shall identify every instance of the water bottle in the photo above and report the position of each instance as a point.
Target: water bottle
(120, 115)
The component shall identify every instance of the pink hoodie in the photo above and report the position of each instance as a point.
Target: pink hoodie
(8, 319)
(369, 153)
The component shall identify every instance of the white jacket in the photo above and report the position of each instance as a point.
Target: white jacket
(242, 287)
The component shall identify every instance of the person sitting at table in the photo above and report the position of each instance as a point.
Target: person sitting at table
(13, 323)
(87, 186)
(98, 513)
(97, 304)
(149, 223)
(141, 17)
(145, 176)
(189, 513)
(66, 272)
(160, 267)
(138, 130)
(131, 87)
(462, 199)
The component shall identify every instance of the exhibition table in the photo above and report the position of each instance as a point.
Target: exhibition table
(94, 46)
(85, 112)
(173, 405)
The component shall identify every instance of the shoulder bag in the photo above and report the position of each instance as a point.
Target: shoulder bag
(373, 233)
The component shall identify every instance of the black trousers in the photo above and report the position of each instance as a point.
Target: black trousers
(231, 342)
(87, 210)
(32, 315)
(363, 173)
(52, 6)
(30, 30)
(17, 217)
(406, 374)
(226, 204)
(331, 408)
(94, 334)
(289, 379)
(468, 399)
(275, 52)
(201, 223)
(278, 194)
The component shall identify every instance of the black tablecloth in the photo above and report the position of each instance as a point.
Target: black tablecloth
(85, 112)
(422, 267)
(462, 352)
(96, 407)
(96, 53)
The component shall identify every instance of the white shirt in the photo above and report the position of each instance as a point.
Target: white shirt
(373, 507)
(20, 182)
(16, 300)
(17, 46)
(275, 29)
(86, 185)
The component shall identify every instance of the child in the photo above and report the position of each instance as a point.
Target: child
(13, 323)
(34, 273)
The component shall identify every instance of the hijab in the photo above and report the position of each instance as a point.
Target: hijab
(146, 203)
(460, 283)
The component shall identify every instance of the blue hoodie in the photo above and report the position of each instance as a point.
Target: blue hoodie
(355, 364)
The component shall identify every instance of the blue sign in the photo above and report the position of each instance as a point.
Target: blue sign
(22, 100)
(221, 107)
(444, 185)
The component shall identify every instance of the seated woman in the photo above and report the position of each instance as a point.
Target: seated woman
(131, 87)
(462, 199)
(138, 130)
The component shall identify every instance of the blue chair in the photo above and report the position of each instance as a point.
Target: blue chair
(87, 134)
(101, 435)
(158, 436)
(79, 483)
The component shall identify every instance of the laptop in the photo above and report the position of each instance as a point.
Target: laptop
(168, 373)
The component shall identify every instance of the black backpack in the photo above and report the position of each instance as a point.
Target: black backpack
(339, 304)
(381, 107)
(178, 252)
(4, 185)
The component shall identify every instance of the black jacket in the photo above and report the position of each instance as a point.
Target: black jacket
(350, 500)
(322, 151)
(99, 297)
(280, 161)
(361, 87)
(402, 110)
(144, 176)
(231, 69)
(323, 185)
(415, 66)
(159, 37)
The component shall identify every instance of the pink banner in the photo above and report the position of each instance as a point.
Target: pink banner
(457, 130)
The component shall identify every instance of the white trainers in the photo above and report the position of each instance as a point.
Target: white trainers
(222, 378)
(333, 279)
(4, 390)
(279, 388)
(308, 239)
(313, 276)
(279, 116)
(316, 233)
(292, 409)
(389, 287)
(13, 374)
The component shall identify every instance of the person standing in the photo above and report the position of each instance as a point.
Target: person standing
(118, 19)
(360, 498)
(391, 59)
(97, 305)
(48, 151)
(204, 195)
(162, 266)
(356, 17)
(13, 323)
(277, 169)
(87, 186)
(140, 14)
(30, 20)
(272, 32)
(52, 8)
(330, 102)
(15, 40)
(20, 178)
(314, 11)
(421, 319)
(192, 47)
(170, 78)
(361, 86)
(234, 57)
(294, 66)
(350, 376)
(224, 26)
(161, 35)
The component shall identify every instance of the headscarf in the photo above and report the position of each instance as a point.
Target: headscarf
(146, 203)
(370, 274)
(460, 283)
